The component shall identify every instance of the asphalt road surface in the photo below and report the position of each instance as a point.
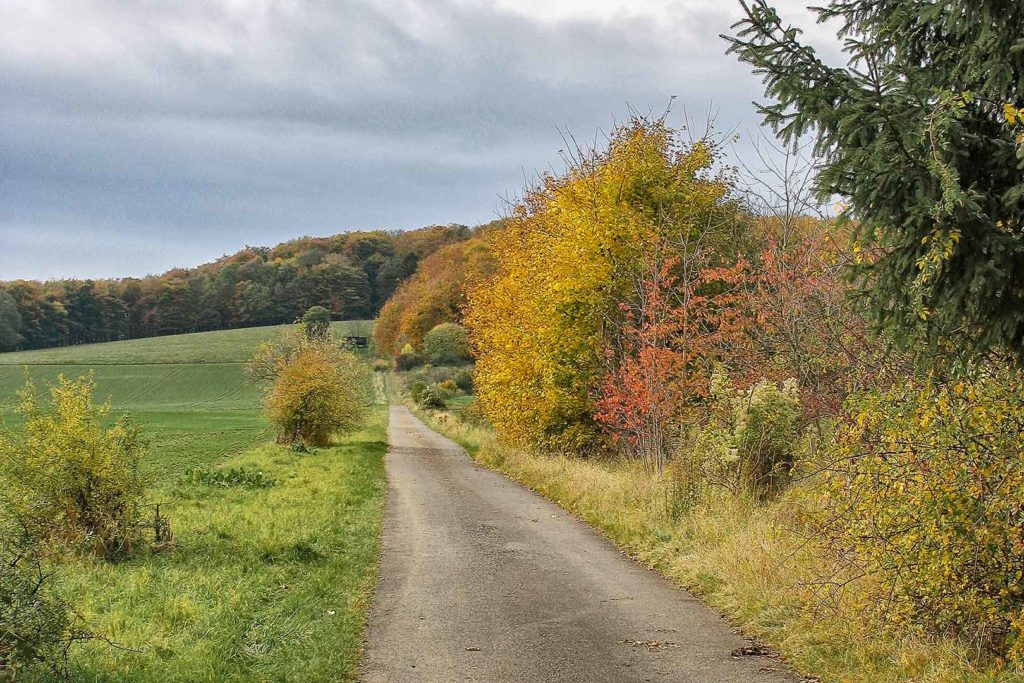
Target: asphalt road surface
(483, 580)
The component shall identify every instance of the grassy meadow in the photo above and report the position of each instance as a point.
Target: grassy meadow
(261, 584)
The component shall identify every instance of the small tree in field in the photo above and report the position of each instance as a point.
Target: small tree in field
(317, 392)
(66, 477)
(447, 344)
(317, 322)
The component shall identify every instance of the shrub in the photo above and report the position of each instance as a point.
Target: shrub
(432, 399)
(407, 359)
(316, 322)
(319, 392)
(447, 344)
(464, 380)
(447, 389)
(923, 494)
(416, 389)
(766, 422)
(67, 478)
(36, 629)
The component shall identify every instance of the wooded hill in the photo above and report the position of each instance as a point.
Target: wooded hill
(351, 274)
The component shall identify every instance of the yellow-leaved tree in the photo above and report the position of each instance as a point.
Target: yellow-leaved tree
(567, 259)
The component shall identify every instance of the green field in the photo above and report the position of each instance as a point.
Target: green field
(261, 584)
(188, 391)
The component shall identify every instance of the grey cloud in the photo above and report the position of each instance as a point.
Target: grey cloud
(184, 130)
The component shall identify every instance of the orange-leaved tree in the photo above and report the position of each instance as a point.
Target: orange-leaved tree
(566, 263)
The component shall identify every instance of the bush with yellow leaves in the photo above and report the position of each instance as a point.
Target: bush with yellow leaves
(922, 504)
(68, 478)
(318, 390)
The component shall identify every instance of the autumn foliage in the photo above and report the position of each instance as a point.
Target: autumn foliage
(314, 389)
(436, 294)
(567, 260)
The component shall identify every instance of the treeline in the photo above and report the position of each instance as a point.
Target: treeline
(350, 274)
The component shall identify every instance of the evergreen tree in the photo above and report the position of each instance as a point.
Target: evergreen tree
(921, 135)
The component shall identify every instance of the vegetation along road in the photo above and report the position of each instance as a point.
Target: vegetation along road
(483, 580)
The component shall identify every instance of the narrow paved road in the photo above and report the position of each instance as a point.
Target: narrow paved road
(483, 580)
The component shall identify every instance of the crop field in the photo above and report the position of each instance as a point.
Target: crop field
(260, 583)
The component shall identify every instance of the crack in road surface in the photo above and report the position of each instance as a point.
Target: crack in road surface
(484, 580)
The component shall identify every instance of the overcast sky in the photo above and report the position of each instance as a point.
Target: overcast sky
(137, 135)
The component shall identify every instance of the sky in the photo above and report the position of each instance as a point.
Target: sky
(140, 135)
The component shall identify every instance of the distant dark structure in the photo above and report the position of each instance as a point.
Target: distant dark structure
(358, 342)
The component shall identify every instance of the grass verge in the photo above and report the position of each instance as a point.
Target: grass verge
(739, 556)
(267, 584)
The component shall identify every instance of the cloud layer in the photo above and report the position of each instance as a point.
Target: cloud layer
(137, 134)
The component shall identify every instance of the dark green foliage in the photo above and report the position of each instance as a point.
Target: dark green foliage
(433, 399)
(416, 389)
(447, 344)
(464, 380)
(914, 136)
(316, 322)
(10, 322)
(229, 477)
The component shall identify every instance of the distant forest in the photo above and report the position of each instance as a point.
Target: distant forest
(351, 274)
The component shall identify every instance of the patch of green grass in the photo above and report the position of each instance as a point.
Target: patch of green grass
(265, 584)
(192, 414)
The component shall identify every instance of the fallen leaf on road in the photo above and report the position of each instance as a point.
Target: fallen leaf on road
(650, 644)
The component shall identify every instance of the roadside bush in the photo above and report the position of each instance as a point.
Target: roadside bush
(765, 435)
(36, 629)
(448, 389)
(464, 380)
(447, 344)
(319, 392)
(432, 399)
(923, 495)
(416, 389)
(407, 359)
(67, 478)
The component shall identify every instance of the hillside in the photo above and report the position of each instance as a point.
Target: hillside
(351, 274)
